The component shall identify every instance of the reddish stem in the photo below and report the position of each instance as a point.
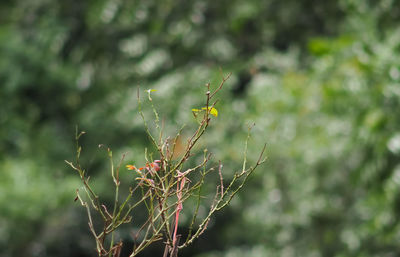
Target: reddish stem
(179, 187)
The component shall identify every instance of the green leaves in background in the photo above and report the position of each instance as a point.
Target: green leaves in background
(319, 79)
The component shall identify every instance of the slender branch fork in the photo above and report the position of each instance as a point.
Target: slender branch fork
(161, 188)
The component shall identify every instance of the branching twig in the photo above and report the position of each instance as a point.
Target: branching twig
(162, 187)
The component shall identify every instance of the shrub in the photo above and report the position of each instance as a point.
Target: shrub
(162, 186)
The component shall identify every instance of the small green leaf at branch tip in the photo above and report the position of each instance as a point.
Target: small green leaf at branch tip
(211, 110)
(148, 92)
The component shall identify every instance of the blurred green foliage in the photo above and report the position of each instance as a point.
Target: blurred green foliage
(321, 80)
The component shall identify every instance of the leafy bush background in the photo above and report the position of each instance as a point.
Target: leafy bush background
(319, 78)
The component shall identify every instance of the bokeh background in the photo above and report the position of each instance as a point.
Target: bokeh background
(321, 80)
